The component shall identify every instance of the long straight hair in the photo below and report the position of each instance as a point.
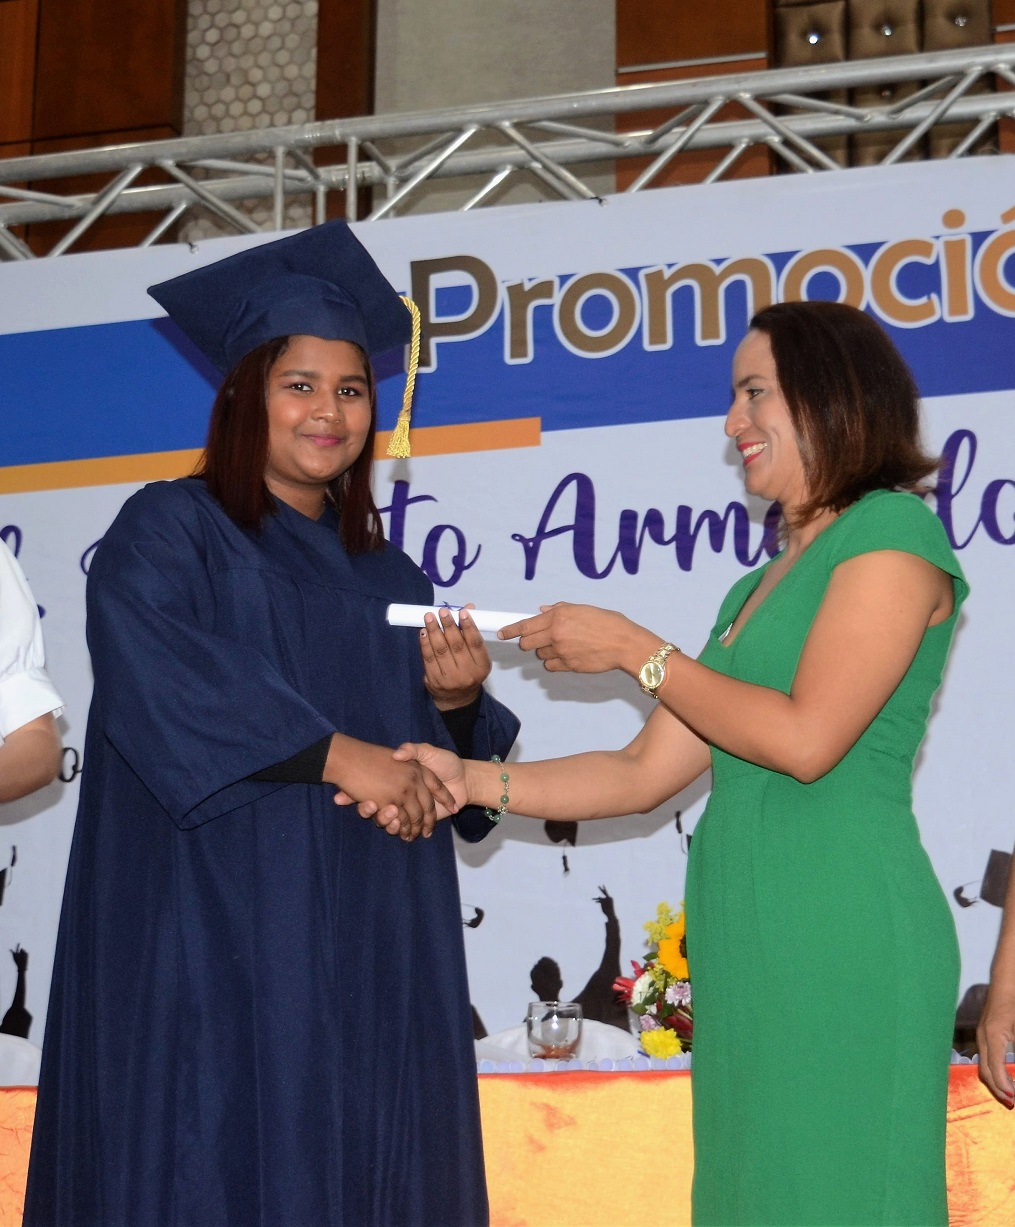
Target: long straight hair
(236, 454)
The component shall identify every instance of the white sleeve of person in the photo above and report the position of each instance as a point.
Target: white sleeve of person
(25, 689)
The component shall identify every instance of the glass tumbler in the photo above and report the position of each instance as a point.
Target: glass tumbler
(553, 1028)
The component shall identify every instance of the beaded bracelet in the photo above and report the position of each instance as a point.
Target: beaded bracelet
(495, 815)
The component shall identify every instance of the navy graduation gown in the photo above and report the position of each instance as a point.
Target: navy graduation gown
(259, 1012)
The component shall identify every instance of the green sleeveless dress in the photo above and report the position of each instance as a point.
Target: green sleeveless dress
(822, 950)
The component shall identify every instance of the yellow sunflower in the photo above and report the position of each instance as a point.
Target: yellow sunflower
(673, 950)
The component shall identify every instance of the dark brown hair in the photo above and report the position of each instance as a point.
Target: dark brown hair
(852, 399)
(236, 454)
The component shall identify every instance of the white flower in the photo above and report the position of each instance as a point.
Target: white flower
(643, 988)
(679, 993)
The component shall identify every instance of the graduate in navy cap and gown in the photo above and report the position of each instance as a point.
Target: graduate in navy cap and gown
(259, 1012)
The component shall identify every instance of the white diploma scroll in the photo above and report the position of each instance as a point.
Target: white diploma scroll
(488, 621)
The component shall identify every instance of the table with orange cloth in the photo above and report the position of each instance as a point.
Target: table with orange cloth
(589, 1149)
(608, 1150)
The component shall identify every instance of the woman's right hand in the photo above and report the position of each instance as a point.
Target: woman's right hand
(583, 639)
(994, 1036)
(403, 797)
(444, 764)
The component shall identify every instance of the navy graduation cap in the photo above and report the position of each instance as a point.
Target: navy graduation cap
(321, 282)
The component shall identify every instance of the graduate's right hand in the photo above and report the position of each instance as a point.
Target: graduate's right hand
(403, 798)
(443, 765)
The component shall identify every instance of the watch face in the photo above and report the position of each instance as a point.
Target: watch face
(652, 674)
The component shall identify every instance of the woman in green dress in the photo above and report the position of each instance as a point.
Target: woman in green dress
(821, 946)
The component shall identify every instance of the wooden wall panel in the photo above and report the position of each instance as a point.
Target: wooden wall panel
(18, 25)
(667, 30)
(346, 63)
(105, 72)
(688, 39)
(109, 66)
(346, 55)
(78, 73)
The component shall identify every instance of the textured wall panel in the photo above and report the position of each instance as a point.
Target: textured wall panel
(811, 34)
(250, 64)
(883, 27)
(955, 23)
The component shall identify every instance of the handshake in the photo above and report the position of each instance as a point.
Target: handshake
(418, 784)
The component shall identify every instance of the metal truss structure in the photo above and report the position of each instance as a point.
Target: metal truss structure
(548, 140)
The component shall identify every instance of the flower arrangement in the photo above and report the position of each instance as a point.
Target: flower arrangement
(660, 990)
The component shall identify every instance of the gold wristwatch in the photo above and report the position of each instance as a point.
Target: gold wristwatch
(653, 671)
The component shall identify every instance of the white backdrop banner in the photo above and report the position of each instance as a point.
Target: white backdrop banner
(568, 445)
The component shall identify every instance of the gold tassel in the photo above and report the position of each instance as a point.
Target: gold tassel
(398, 444)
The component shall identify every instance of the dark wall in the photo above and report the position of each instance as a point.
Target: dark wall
(80, 73)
